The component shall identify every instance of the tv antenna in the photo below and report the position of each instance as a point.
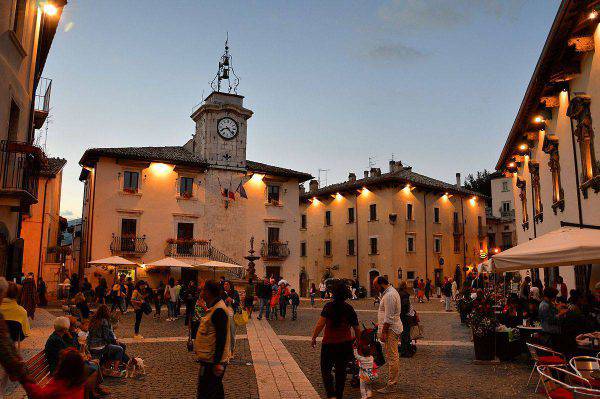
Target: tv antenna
(324, 171)
(372, 162)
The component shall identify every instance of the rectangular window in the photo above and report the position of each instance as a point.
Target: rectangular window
(130, 181)
(186, 187)
(437, 244)
(303, 221)
(351, 247)
(410, 243)
(327, 218)
(350, 215)
(373, 245)
(273, 235)
(456, 243)
(19, 18)
(327, 248)
(409, 212)
(185, 237)
(373, 212)
(436, 215)
(13, 122)
(504, 186)
(410, 275)
(128, 232)
(506, 206)
(303, 249)
(273, 195)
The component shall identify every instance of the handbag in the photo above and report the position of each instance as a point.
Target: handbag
(241, 318)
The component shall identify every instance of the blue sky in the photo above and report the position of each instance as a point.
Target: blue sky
(436, 83)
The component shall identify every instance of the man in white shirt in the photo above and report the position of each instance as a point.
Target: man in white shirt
(390, 328)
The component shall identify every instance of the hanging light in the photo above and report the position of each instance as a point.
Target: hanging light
(50, 9)
(593, 14)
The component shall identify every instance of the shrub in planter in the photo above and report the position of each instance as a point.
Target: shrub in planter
(483, 324)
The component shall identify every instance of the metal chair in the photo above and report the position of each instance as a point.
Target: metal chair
(584, 366)
(544, 356)
(563, 384)
(584, 393)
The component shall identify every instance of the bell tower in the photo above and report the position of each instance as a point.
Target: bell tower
(221, 121)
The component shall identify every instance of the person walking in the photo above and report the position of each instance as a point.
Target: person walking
(212, 346)
(41, 291)
(139, 302)
(284, 296)
(447, 292)
(454, 289)
(295, 302)
(170, 295)
(323, 289)
(338, 319)
(118, 293)
(29, 295)
(421, 291)
(406, 350)
(390, 328)
(427, 288)
(264, 295)
(191, 295)
(249, 297)
(101, 291)
(312, 293)
(129, 292)
(416, 286)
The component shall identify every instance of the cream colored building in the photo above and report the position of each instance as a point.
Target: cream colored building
(502, 231)
(550, 153)
(146, 203)
(27, 29)
(400, 224)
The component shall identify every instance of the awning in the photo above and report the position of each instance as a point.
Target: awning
(168, 262)
(113, 261)
(563, 247)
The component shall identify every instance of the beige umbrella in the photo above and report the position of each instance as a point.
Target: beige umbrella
(113, 261)
(168, 262)
(214, 265)
(566, 246)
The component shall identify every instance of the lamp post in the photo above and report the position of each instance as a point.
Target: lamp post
(251, 270)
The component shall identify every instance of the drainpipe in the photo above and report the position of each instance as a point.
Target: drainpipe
(426, 253)
(464, 237)
(580, 213)
(357, 241)
(39, 272)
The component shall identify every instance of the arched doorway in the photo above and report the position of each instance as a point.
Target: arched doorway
(372, 274)
(3, 249)
(303, 284)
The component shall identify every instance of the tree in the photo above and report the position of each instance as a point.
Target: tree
(481, 184)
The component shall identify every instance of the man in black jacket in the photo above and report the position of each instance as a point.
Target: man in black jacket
(264, 296)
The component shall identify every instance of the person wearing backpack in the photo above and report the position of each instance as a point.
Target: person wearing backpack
(295, 302)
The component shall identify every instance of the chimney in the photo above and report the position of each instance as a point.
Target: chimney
(375, 172)
(395, 166)
(302, 189)
(366, 174)
(392, 166)
(458, 180)
(313, 186)
(351, 177)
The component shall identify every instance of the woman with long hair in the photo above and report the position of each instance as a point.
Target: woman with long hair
(68, 381)
(139, 299)
(101, 339)
(101, 291)
(339, 319)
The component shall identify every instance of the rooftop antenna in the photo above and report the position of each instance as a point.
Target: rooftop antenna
(225, 72)
(325, 173)
(372, 162)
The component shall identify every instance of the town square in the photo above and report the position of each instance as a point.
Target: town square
(395, 199)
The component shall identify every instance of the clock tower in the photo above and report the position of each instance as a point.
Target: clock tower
(221, 122)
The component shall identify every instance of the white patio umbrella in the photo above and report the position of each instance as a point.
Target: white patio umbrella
(168, 262)
(215, 264)
(562, 247)
(113, 261)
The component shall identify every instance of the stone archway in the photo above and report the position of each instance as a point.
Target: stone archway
(372, 274)
(303, 284)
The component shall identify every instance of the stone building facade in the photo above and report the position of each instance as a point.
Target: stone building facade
(188, 202)
(502, 231)
(400, 224)
(27, 29)
(550, 154)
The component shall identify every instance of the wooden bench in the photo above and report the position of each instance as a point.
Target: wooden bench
(39, 369)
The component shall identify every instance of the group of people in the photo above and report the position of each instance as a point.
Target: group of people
(274, 298)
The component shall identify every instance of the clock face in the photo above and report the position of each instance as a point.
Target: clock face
(227, 128)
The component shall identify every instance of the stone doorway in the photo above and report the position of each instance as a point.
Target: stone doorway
(303, 284)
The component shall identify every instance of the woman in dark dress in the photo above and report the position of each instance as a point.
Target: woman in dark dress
(339, 319)
(41, 288)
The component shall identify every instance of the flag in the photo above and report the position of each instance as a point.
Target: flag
(240, 189)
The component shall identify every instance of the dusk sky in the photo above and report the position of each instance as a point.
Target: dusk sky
(435, 83)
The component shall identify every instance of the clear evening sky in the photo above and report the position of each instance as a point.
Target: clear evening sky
(435, 83)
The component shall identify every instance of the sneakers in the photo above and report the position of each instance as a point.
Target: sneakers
(387, 389)
(137, 336)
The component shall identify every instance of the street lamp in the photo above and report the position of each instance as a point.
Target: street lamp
(49, 9)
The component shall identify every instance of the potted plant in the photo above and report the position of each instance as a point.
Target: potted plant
(464, 305)
(483, 323)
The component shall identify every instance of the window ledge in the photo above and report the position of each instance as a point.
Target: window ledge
(350, 222)
(279, 204)
(126, 193)
(328, 256)
(180, 198)
(373, 253)
(327, 225)
(373, 220)
(302, 228)
(17, 43)
(350, 254)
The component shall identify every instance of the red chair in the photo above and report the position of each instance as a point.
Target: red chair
(544, 356)
(584, 393)
(562, 384)
(584, 366)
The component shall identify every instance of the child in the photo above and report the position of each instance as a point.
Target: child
(274, 303)
(367, 373)
(295, 301)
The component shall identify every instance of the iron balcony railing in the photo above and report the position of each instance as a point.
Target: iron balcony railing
(128, 245)
(274, 250)
(20, 165)
(42, 102)
(510, 214)
(196, 249)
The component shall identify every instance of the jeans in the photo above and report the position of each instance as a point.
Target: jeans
(138, 320)
(283, 307)
(118, 302)
(338, 356)
(171, 307)
(194, 325)
(189, 311)
(209, 385)
(405, 336)
(447, 301)
(116, 352)
(392, 357)
(312, 299)
(294, 312)
(264, 306)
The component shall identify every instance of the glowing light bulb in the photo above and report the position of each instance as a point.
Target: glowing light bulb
(50, 9)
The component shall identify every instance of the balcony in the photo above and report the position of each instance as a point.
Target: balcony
(42, 102)
(128, 246)
(20, 165)
(507, 215)
(190, 248)
(274, 250)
